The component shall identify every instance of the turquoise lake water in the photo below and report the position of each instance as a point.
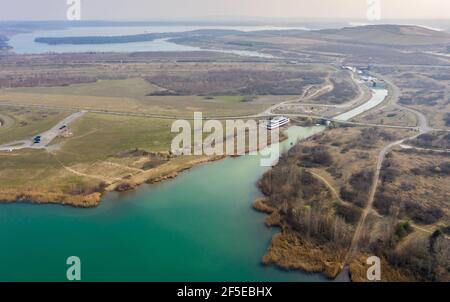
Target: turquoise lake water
(197, 227)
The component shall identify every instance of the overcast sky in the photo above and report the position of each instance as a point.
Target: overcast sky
(190, 9)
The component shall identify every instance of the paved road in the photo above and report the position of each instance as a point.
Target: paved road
(265, 114)
(300, 102)
(46, 137)
(422, 121)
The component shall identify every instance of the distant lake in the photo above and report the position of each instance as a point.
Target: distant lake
(24, 43)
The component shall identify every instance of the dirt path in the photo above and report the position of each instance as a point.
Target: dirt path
(328, 185)
(427, 231)
(97, 177)
(360, 226)
(423, 128)
(322, 90)
(123, 166)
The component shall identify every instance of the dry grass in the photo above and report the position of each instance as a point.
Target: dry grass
(388, 116)
(428, 189)
(349, 156)
(292, 252)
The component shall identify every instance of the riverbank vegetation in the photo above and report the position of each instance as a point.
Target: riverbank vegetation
(317, 192)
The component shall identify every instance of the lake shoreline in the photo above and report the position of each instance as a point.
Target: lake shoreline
(288, 251)
(94, 200)
(165, 172)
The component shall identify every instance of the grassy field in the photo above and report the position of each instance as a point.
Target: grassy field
(133, 88)
(89, 158)
(86, 159)
(97, 136)
(25, 123)
(33, 169)
(131, 96)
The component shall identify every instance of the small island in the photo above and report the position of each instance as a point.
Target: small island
(82, 40)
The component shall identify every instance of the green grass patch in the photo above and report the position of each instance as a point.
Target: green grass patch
(97, 137)
(27, 123)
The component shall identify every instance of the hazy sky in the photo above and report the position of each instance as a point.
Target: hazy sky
(188, 9)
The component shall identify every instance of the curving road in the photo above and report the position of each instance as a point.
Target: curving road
(46, 137)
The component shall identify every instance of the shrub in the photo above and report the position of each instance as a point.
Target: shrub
(403, 229)
(421, 214)
(446, 230)
(383, 203)
(407, 186)
(362, 180)
(349, 214)
(316, 156)
(347, 195)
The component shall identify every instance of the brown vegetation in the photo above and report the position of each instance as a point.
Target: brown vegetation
(415, 187)
(317, 229)
(343, 90)
(432, 140)
(237, 81)
(45, 197)
(423, 88)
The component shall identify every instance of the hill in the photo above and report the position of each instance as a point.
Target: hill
(396, 35)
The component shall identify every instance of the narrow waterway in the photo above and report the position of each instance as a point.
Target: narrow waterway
(378, 97)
